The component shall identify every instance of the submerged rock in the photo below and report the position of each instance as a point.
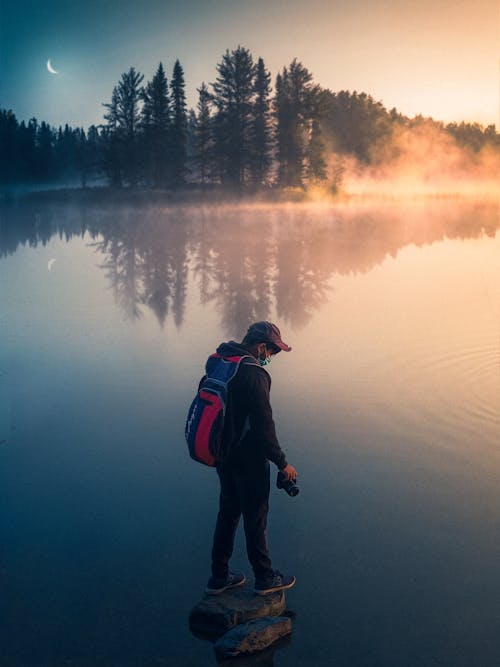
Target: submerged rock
(265, 658)
(219, 613)
(253, 636)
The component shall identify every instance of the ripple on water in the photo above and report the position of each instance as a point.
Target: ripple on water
(459, 393)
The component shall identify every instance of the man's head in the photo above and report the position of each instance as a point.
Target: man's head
(263, 339)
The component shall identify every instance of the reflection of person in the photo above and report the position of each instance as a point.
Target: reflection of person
(250, 435)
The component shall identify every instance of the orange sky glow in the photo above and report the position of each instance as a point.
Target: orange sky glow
(437, 59)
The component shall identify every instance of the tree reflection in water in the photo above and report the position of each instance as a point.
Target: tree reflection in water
(249, 261)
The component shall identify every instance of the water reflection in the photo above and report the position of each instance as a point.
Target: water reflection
(395, 422)
(244, 260)
(263, 659)
(146, 264)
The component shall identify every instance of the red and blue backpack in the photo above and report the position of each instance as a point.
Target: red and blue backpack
(205, 419)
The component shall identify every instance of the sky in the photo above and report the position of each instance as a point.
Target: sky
(437, 58)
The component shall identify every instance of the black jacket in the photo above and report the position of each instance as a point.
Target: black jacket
(249, 430)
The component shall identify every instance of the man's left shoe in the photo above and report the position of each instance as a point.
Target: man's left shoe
(218, 586)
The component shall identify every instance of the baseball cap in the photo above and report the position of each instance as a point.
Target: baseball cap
(269, 333)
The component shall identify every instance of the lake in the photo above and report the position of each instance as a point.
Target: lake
(388, 406)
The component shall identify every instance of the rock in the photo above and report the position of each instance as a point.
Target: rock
(219, 613)
(253, 636)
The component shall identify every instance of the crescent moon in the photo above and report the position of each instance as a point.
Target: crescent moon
(49, 265)
(50, 68)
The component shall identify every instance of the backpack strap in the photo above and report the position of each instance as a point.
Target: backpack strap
(237, 360)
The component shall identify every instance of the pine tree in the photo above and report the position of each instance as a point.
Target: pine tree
(261, 126)
(233, 97)
(191, 130)
(289, 132)
(81, 156)
(30, 144)
(129, 97)
(282, 116)
(295, 104)
(92, 162)
(178, 131)
(203, 143)
(156, 125)
(45, 152)
(10, 168)
(316, 167)
(113, 141)
(121, 133)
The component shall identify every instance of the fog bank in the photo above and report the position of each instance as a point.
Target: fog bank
(422, 161)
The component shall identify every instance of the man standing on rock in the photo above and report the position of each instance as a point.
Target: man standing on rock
(249, 436)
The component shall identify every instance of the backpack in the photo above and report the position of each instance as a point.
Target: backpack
(205, 419)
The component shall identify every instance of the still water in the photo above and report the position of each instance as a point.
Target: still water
(388, 406)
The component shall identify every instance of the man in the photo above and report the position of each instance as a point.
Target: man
(250, 436)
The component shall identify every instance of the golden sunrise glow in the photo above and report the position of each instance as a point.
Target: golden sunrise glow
(435, 59)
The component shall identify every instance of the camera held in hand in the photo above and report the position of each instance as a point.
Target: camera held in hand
(287, 484)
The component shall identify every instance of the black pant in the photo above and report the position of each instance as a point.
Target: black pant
(245, 488)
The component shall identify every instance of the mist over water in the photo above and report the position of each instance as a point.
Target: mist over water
(422, 161)
(246, 259)
(388, 406)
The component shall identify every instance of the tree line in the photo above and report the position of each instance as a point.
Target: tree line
(35, 152)
(242, 135)
(239, 135)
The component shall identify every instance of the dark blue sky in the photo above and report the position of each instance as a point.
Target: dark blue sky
(436, 57)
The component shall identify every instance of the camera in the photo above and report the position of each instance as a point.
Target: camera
(287, 484)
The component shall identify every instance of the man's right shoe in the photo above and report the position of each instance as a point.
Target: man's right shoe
(279, 582)
(218, 586)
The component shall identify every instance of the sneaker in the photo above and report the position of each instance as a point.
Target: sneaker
(279, 582)
(218, 586)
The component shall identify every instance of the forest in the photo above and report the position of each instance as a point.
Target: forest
(243, 136)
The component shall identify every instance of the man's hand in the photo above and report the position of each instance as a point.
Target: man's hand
(289, 472)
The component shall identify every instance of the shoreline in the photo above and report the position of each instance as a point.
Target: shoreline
(217, 196)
